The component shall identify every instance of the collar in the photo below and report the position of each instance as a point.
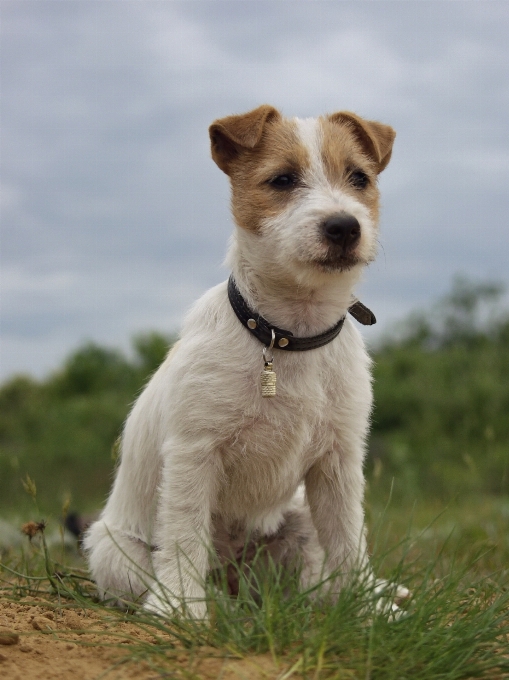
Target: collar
(262, 329)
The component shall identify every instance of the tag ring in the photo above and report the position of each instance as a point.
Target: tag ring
(269, 348)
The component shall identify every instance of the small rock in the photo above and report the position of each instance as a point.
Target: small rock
(3, 657)
(8, 637)
(41, 623)
(73, 621)
(25, 648)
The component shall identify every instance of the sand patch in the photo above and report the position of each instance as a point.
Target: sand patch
(54, 642)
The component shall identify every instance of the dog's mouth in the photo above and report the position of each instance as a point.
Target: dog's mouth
(337, 261)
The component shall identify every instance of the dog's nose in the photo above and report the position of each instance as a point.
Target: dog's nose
(342, 229)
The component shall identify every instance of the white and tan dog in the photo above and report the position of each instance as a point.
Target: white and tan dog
(205, 459)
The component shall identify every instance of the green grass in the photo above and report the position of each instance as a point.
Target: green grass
(455, 624)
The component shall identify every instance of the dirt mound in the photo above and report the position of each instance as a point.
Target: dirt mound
(41, 639)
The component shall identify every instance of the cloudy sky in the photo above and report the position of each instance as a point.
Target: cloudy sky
(114, 218)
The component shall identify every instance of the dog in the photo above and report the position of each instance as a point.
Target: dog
(236, 437)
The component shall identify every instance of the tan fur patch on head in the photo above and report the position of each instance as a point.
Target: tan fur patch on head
(343, 157)
(280, 151)
(375, 138)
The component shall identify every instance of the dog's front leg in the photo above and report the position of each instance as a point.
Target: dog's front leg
(182, 532)
(335, 490)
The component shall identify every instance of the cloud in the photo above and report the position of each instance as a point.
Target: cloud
(114, 217)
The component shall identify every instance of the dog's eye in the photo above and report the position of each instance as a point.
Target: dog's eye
(286, 181)
(358, 179)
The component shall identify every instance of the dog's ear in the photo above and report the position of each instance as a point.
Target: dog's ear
(377, 139)
(228, 136)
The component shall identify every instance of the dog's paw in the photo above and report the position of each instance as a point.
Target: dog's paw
(389, 598)
(398, 592)
(163, 604)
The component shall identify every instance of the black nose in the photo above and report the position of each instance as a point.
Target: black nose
(342, 229)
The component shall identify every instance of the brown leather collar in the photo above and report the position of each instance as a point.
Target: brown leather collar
(262, 329)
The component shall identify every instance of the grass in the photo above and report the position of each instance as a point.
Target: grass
(455, 624)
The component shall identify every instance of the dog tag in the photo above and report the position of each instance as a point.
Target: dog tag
(268, 379)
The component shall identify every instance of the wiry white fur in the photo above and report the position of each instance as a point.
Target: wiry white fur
(201, 445)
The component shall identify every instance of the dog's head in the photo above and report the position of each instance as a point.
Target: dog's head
(307, 188)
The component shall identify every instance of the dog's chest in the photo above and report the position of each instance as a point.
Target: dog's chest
(276, 440)
(262, 446)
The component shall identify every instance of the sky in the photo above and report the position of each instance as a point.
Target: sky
(114, 218)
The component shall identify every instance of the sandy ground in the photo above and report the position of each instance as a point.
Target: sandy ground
(39, 641)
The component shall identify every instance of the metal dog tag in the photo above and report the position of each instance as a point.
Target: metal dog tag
(268, 380)
(268, 377)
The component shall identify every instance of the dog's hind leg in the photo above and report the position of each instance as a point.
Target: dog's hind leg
(303, 546)
(121, 565)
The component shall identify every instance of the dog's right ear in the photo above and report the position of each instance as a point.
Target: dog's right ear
(228, 136)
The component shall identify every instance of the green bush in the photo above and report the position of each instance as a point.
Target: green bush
(440, 423)
(61, 431)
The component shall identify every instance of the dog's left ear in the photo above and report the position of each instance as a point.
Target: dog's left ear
(228, 136)
(377, 139)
